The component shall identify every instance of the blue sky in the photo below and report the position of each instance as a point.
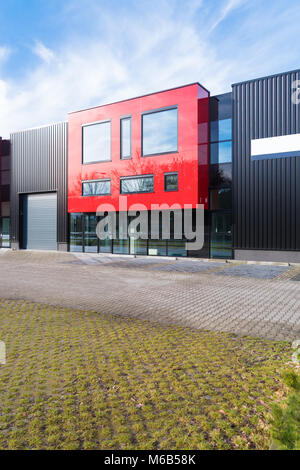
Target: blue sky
(61, 55)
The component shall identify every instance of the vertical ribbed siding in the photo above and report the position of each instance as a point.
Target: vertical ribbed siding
(39, 164)
(267, 192)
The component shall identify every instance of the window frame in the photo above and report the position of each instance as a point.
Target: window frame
(124, 178)
(171, 173)
(124, 118)
(88, 124)
(155, 111)
(101, 180)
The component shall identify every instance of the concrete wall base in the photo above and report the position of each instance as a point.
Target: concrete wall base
(62, 247)
(266, 255)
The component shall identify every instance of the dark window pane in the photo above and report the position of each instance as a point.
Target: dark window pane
(221, 153)
(171, 182)
(159, 132)
(220, 175)
(5, 177)
(5, 163)
(141, 184)
(5, 147)
(96, 142)
(220, 107)
(76, 232)
(126, 138)
(221, 237)
(221, 199)
(90, 236)
(95, 188)
(5, 193)
(221, 130)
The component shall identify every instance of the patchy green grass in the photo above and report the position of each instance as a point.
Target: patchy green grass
(82, 380)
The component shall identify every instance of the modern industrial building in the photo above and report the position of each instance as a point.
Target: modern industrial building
(237, 154)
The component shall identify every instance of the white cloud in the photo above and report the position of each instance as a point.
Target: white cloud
(43, 52)
(229, 6)
(125, 56)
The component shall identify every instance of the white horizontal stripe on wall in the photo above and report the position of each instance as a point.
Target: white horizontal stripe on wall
(285, 145)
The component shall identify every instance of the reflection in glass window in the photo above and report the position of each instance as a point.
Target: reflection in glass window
(137, 184)
(221, 152)
(221, 130)
(221, 199)
(171, 181)
(177, 248)
(221, 236)
(125, 138)
(76, 232)
(96, 142)
(159, 132)
(90, 235)
(95, 188)
(220, 175)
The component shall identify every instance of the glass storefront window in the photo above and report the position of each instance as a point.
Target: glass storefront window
(176, 248)
(90, 236)
(5, 232)
(76, 233)
(159, 132)
(221, 152)
(221, 236)
(157, 248)
(221, 130)
(221, 199)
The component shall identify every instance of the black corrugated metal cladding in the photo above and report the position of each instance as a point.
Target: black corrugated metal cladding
(39, 164)
(267, 192)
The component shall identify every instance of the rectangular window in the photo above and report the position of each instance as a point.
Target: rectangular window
(221, 199)
(96, 142)
(137, 184)
(171, 181)
(221, 130)
(220, 175)
(221, 153)
(125, 138)
(160, 132)
(96, 188)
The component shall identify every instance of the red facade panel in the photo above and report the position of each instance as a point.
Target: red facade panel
(192, 102)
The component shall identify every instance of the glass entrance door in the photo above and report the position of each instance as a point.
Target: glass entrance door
(221, 235)
(5, 232)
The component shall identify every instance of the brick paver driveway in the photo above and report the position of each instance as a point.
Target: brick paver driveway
(251, 300)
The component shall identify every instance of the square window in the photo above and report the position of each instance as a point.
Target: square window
(171, 181)
(160, 132)
(96, 142)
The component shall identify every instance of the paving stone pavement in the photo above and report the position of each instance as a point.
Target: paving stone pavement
(256, 302)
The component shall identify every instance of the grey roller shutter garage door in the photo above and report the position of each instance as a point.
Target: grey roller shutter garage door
(39, 222)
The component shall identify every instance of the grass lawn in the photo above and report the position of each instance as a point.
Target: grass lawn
(82, 380)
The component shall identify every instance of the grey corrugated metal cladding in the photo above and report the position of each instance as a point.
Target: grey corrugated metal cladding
(266, 198)
(39, 164)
